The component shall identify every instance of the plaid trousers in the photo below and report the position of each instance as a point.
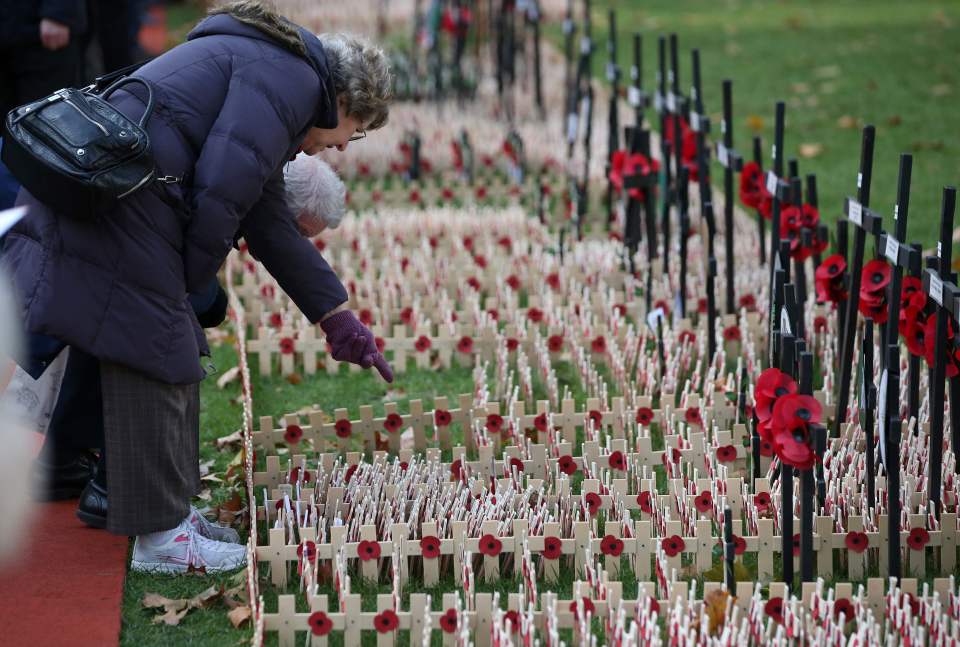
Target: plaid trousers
(152, 440)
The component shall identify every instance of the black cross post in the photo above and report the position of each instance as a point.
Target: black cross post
(868, 407)
(858, 213)
(787, 365)
(636, 97)
(660, 103)
(914, 366)
(761, 225)
(890, 422)
(639, 143)
(711, 309)
(944, 295)
(700, 123)
(806, 480)
(684, 228)
(613, 119)
(731, 162)
(534, 15)
(569, 39)
(730, 551)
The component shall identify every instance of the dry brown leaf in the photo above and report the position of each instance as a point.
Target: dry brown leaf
(205, 467)
(175, 609)
(294, 378)
(204, 495)
(155, 600)
(233, 504)
(810, 150)
(941, 89)
(170, 616)
(715, 605)
(894, 121)
(392, 395)
(755, 123)
(230, 440)
(827, 71)
(239, 616)
(846, 121)
(228, 376)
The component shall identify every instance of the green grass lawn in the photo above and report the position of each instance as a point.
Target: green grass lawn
(838, 64)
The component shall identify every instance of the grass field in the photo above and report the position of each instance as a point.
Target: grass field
(838, 64)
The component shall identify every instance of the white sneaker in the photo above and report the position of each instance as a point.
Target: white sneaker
(211, 530)
(182, 550)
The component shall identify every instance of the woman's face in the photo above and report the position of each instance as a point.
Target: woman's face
(319, 139)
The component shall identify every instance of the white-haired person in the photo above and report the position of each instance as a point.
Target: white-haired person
(315, 194)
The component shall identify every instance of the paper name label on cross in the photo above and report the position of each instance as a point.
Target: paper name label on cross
(585, 45)
(695, 122)
(785, 328)
(723, 126)
(772, 182)
(892, 250)
(658, 102)
(653, 317)
(572, 126)
(855, 213)
(936, 289)
(611, 72)
(568, 26)
(634, 73)
(882, 409)
(633, 96)
(671, 102)
(722, 154)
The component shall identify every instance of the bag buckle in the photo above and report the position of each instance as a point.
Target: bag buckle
(169, 179)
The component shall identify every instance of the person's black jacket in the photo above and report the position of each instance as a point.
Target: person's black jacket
(20, 19)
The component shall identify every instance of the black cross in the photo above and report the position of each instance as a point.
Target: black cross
(945, 294)
(859, 214)
(613, 118)
(732, 163)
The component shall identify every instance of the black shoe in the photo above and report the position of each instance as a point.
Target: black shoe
(92, 509)
(66, 481)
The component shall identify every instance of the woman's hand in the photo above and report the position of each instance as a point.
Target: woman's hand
(353, 342)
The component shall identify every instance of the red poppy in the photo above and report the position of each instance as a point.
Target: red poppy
(588, 608)
(514, 618)
(568, 465)
(555, 343)
(414, 196)
(624, 165)
(702, 305)
(692, 416)
(771, 384)
(516, 464)
(617, 461)
(465, 345)
(611, 546)
(540, 422)
(535, 315)
(552, 548)
(442, 417)
(494, 423)
(875, 276)
(481, 192)
(367, 550)
(731, 333)
(673, 545)
(654, 605)
(404, 465)
(762, 501)
(456, 469)
(753, 190)
(739, 545)
(430, 547)
(310, 548)
(286, 346)
(349, 473)
(918, 538)
(474, 283)
(766, 448)
(703, 502)
(295, 476)
(662, 304)
(829, 279)
(493, 314)
(512, 344)
(843, 606)
(276, 320)
(490, 545)
(596, 418)
(726, 454)
(873, 305)
(820, 323)
(393, 423)
(449, 621)
(774, 609)
(293, 434)
(644, 416)
(422, 344)
(366, 317)
(447, 194)
(513, 282)
(593, 501)
(914, 603)
(857, 541)
(320, 623)
(644, 500)
(687, 336)
(599, 344)
(267, 291)
(386, 621)
(748, 301)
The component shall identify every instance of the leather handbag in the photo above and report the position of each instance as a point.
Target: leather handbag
(77, 153)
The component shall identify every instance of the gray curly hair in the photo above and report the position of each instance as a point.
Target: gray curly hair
(314, 193)
(361, 77)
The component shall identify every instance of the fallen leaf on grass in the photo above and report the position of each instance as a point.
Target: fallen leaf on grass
(205, 495)
(239, 616)
(715, 606)
(846, 121)
(940, 89)
(236, 438)
(294, 378)
(827, 71)
(810, 150)
(205, 467)
(755, 123)
(175, 609)
(228, 376)
(894, 120)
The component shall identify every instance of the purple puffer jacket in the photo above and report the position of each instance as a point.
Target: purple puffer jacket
(232, 106)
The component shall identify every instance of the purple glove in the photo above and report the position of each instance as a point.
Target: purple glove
(353, 342)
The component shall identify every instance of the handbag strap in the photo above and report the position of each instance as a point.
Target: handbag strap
(104, 80)
(133, 79)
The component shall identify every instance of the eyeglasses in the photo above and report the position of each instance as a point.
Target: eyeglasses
(363, 133)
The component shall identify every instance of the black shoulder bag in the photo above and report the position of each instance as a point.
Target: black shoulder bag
(77, 153)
